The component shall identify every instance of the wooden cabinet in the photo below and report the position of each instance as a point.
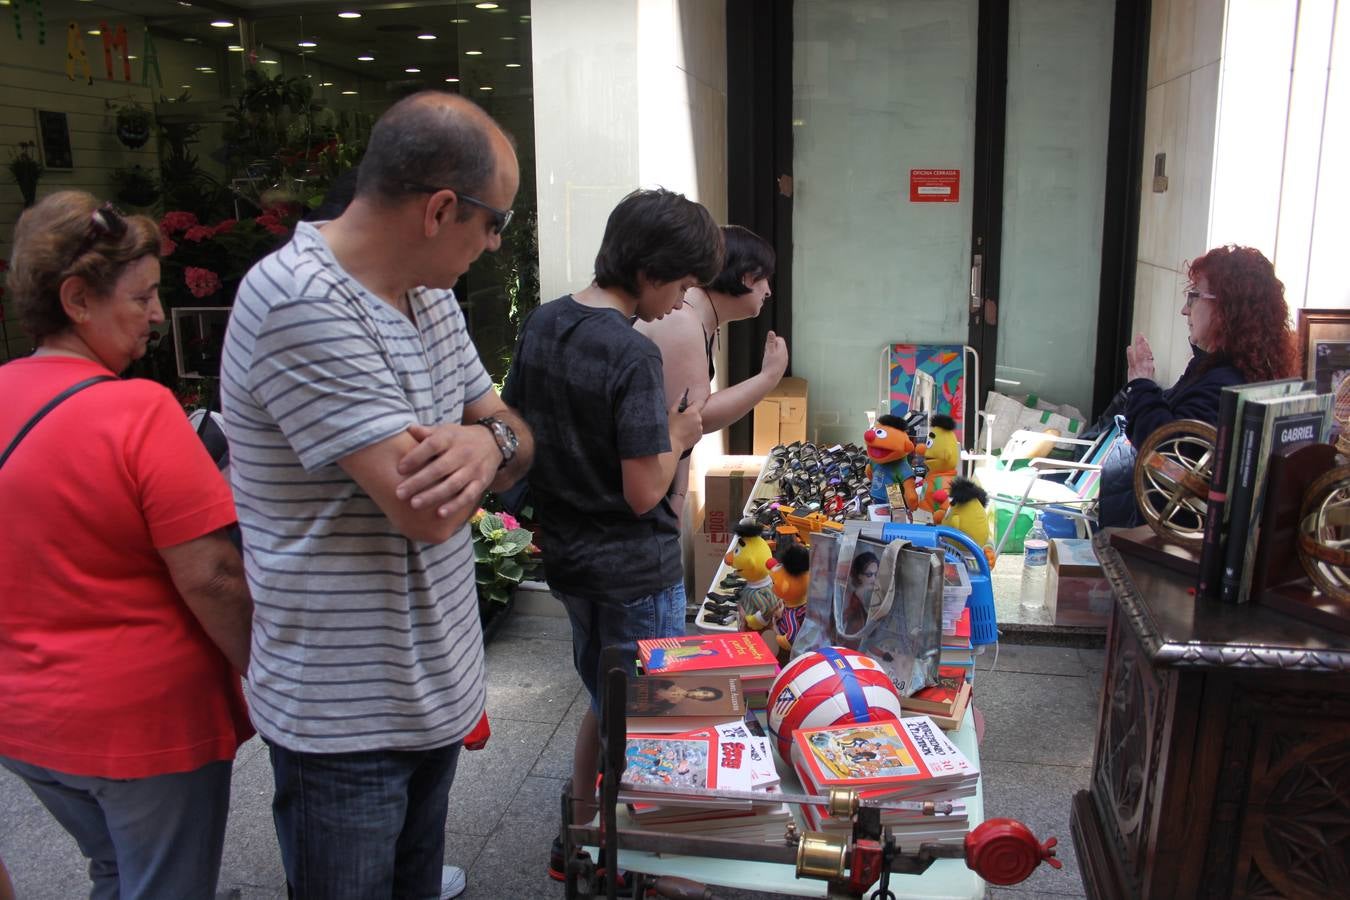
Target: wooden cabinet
(1222, 760)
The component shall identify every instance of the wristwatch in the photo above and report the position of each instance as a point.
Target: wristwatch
(506, 439)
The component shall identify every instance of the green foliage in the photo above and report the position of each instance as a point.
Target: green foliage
(503, 556)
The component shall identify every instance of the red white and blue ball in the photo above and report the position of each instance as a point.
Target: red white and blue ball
(829, 686)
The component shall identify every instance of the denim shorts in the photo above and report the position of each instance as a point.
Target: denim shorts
(596, 626)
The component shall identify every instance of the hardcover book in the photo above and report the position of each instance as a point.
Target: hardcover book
(1267, 425)
(673, 703)
(742, 652)
(905, 758)
(1231, 400)
(939, 698)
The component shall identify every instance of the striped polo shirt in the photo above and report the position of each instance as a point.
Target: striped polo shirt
(362, 638)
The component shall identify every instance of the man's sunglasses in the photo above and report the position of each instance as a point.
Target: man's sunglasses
(501, 218)
(105, 222)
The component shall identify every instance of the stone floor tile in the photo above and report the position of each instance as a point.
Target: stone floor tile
(526, 627)
(252, 857)
(486, 779)
(513, 861)
(1039, 796)
(556, 760)
(1040, 719)
(530, 680)
(1031, 659)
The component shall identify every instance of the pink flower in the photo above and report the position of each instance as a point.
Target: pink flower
(509, 521)
(225, 226)
(277, 229)
(179, 220)
(201, 282)
(166, 245)
(199, 233)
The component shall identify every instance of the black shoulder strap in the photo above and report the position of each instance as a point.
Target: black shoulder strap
(51, 405)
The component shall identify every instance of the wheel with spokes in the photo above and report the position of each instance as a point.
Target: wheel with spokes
(1324, 533)
(1171, 480)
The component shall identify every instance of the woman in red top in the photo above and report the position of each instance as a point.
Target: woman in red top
(124, 616)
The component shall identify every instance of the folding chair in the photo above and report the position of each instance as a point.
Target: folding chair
(950, 369)
(1026, 486)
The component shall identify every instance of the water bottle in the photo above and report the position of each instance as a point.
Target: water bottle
(1035, 565)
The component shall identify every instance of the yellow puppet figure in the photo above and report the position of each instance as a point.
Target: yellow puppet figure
(750, 556)
(968, 513)
(942, 457)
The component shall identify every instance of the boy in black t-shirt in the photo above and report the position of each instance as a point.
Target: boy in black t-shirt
(592, 390)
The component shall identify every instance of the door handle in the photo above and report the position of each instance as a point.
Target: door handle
(976, 283)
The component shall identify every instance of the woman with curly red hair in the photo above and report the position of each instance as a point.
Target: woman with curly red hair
(1238, 325)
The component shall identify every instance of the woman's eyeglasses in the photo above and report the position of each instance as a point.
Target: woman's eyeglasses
(105, 222)
(1193, 295)
(501, 218)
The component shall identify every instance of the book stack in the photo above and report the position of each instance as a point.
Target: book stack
(907, 760)
(956, 647)
(728, 757)
(955, 590)
(742, 653)
(945, 703)
(1255, 422)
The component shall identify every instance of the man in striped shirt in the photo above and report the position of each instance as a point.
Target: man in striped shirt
(363, 431)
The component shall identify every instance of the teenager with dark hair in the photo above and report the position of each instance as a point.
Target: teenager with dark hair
(686, 338)
(590, 386)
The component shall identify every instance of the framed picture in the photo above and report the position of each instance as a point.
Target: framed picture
(54, 139)
(1324, 340)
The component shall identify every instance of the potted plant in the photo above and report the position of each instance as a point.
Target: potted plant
(25, 168)
(133, 125)
(135, 186)
(504, 556)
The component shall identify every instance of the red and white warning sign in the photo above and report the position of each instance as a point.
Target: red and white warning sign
(934, 185)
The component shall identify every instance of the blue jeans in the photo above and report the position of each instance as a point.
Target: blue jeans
(362, 825)
(152, 837)
(596, 626)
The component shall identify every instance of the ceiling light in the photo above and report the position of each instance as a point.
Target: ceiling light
(485, 6)
(485, 87)
(412, 70)
(513, 65)
(185, 85)
(426, 37)
(235, 48)
(268, 62)
(452, 80)
(459, 21)
(204, 69)
(222, 23)
(325, 84)
(132, 56)
(191, 40)
(306, 44)
(473, 52)
(365, 59)
(507, 37)
(349, 15)
(95, 32)
(184, 3)
(348, 93)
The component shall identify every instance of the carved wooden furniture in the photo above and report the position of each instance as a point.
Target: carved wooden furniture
(1222, 761)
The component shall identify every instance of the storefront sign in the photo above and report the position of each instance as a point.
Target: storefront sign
(934, 185)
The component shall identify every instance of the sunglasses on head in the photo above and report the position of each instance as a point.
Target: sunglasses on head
(501, 218)
(105, 222)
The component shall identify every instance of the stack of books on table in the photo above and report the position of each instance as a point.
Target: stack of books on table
(742, 653)
(890, 761)
(668, 778)
(945, 702)
(956, 647)
(955, 590)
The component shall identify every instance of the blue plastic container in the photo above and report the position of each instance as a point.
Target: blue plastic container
(983, 619)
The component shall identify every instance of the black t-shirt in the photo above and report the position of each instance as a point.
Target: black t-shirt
(592, 390)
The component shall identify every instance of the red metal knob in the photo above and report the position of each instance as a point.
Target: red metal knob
(1004, 851)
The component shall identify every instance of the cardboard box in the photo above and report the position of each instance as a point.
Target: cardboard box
(727, 485)
(1076, 589)
(709, 549)
(780, 418)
